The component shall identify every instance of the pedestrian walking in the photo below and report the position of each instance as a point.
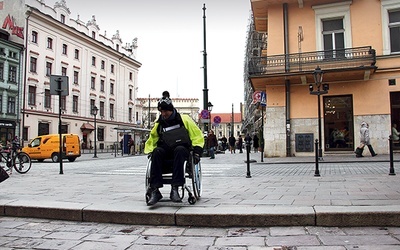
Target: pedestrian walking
(232, 142)
(212, 143)
(240, 144)
(255, 143)
(364, 140)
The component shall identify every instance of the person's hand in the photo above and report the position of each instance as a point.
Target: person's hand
(196, 158)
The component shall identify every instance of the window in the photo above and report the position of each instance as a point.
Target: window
(130, 76)
(63, 71)
(117, 47)
(1, 104)
(75, 104)
(93, 35)
(93, 82)
(12, 74)
(62, 18)
(48, 68)
(93, 61)
(49, 43)
(333, 37)
(100, 134)
(111, 88)
(333, 27)
(25, 134)
(1, 71)
(111, 111)
(103, 64)
(12, 54)
(112, 68)
(11, 105)
(130, 94)
(394, 27)
(47, 99)
(102, 85)
(77, 54)
(63, 102)
(92, 104)
(102, 109)
(64, 49)
(32, 95)
(33, 65)
(390, 26)
(76, 77)
(34, 37)
(130, 114)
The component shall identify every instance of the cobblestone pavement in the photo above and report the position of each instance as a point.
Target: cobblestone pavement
(26, 233)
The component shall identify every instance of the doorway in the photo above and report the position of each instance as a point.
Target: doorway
(395, 114)
(338, 123)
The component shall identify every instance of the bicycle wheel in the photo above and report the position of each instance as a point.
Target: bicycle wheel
(22, 162)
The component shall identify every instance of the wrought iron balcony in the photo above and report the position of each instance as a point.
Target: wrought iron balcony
(340, 59)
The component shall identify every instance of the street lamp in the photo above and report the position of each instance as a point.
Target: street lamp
(318, 75)
(94, 112)
(209, 107)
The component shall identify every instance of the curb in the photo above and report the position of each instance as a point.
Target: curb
(262, 216)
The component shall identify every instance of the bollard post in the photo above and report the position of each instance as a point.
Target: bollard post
(391, 169)
(248, 148)
(316, 173)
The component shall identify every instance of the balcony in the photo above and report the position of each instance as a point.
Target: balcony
(338, 65)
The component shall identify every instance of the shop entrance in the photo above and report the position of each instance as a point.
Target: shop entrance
(338, 123)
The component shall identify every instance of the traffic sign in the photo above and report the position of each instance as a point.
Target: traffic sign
(217, 119)
(205, 114)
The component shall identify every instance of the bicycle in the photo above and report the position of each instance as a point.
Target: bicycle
(14, 158)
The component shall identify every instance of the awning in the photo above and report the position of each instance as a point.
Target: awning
(87, 126)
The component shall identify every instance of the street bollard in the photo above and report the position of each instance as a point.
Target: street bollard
(248, 148)
(391, 169)
(316, 159)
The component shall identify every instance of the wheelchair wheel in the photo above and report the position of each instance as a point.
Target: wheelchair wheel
(147, 181)
(196, 180)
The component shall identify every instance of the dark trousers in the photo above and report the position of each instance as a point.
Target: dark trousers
(164, 161)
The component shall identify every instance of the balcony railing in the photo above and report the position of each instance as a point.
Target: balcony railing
(349, 58)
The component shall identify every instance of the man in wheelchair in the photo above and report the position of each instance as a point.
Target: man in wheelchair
(170, 140)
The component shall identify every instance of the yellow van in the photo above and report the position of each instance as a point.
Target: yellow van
(48, 147)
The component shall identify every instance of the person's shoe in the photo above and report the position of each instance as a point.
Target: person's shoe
(374, 155)
(174, 195)
(212, 157)
(155, 196)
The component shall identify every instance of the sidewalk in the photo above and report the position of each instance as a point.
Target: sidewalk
(281, 192)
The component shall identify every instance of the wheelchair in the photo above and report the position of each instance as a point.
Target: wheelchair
(192, 185)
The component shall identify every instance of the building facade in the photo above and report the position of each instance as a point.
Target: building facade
(355, 44)
(102, 72)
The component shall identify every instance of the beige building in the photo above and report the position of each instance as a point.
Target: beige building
(356, 44)
(189, 106)
(102, 72)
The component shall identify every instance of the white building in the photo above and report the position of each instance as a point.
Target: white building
(102, 72)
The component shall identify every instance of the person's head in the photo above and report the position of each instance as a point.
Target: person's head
(394, 125)
(211, 132)
(165, 105)
(364, 124)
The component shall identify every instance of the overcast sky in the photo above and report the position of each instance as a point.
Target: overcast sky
(170, 40)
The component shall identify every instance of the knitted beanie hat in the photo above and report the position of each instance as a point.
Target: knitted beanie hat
(165, 103)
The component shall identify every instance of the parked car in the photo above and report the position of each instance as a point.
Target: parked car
(48, 147)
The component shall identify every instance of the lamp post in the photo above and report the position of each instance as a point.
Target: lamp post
(94, 112)
(318, 75)
(209, 108)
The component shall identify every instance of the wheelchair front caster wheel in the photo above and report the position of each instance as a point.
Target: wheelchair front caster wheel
(191, 200)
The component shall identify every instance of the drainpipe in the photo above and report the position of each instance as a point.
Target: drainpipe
(287, 82)
(22, 109)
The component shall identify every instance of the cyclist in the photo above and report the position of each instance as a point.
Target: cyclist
(171, 138)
